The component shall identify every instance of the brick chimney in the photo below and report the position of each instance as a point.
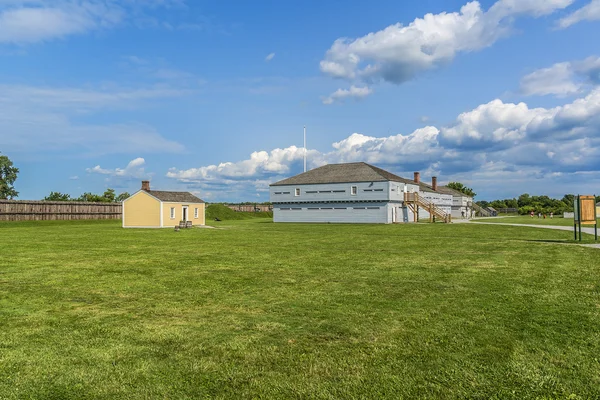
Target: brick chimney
(434, 182)
(145, 185)
(417, 177)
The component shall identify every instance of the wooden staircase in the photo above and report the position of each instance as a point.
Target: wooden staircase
(413, 201)
(482, 212)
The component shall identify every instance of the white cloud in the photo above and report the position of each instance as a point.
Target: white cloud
(269, 57)
(398, 53)
(32, 21)
(590, 12)
(73, 178)
(562, 79)
(277, 161)
(353, 92)
(135, 169)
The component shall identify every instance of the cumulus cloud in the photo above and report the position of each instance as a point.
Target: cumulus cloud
(135, 169)
(589, 12)
(494, 139)
(562, 79)
(353, 92)
(399, 53)
(269, 57)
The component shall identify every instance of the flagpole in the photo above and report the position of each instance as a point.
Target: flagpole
(304, 148)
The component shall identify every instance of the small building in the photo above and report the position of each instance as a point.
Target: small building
(160, 209)
(462, 204)
(352, 193)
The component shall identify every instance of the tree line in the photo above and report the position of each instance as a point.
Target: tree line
(526, 203)
(109, 196)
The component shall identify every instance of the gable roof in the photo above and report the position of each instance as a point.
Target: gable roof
(177, 197)
(454, 192)
(343, 173)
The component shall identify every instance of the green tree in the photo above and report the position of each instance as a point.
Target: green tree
(91, 197)
(109, 195)
(122, 197)
(8, 176)
(524, 200)
(462, 188)
(57, 196)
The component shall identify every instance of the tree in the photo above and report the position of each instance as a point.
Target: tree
(122, 197)
(57, 196)
(91, 197)
(8, 176)
(109, 195)
(462, 188)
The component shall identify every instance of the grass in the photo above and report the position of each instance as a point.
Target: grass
(262, 310)
(525, 219)
(224, 213)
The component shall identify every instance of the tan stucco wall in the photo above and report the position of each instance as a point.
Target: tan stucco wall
(141, 210)
(167, 221)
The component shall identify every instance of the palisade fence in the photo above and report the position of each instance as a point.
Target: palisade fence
(31, 210)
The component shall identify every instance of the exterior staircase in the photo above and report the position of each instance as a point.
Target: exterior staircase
(413, 201)
(482, 212)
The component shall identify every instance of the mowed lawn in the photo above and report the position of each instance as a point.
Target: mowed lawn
(261, 310)
(525, 219)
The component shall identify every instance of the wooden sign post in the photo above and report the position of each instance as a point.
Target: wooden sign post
(585, 214)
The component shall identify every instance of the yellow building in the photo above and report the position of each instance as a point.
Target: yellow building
(159, 209)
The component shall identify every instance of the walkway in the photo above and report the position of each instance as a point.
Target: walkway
(589, 231)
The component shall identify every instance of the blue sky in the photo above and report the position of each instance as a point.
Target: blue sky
(211, 96)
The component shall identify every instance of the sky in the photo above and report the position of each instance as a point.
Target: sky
(212, 96)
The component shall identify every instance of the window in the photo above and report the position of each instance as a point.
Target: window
(324, 191)
(311, 192)
(278, 192)
(367, 190)
(378, 190)
(353, 190)
(195, 213)
(339, 191)
(172, 212)
(297, 193)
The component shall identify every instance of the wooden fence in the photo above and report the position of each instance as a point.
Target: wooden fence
(31, 210)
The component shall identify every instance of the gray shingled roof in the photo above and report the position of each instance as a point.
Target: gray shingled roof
(343, 173)
(178, 197)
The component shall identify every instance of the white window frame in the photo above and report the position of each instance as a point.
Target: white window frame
(172, 212)
(196, 213)
(353, 190)
(297, 192)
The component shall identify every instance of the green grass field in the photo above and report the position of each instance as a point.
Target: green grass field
(525, 219)
(260, 310)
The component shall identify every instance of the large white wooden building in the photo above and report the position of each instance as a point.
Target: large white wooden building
(355, 193)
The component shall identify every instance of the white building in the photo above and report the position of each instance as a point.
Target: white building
(355, 193)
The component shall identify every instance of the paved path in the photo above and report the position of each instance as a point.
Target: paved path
(589, 231)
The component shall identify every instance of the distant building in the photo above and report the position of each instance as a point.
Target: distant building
(159, 209)
(355, 193)
(462, 204)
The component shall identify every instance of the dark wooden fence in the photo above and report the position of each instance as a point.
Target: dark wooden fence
(31, 210)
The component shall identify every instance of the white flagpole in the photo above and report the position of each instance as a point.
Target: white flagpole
(304, 148)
